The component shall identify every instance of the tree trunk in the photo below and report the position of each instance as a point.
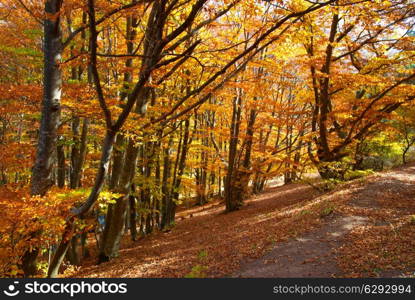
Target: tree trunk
(404, 155)
(167, 201)
(52, 85)
(87, 205)
(51, 107)
(117, 162)
(62, 249)
(246, 163)
(116, 218)
(72, 254)
(180, 171)
(133, 218)
(77, 171)
(60, 153)
(75, 153)
(231, 198)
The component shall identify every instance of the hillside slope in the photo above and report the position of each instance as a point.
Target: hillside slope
(361, 228)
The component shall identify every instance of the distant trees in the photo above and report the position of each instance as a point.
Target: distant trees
(403, 130)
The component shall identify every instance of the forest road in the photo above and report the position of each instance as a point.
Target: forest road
(314, 254)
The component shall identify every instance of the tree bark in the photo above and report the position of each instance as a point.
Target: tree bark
(231, 200)
(79, 163)
(51, 107)
(60, 153)
(167, 201)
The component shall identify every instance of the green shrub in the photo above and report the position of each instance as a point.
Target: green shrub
(354, 174)
(322, 185)
(327, 210)
(197, 271)
(202, 254)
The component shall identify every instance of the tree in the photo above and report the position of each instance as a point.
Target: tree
(348, 103)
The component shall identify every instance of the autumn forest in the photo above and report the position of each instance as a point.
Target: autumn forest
(207, 138)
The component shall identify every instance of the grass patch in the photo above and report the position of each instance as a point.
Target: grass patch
(197, 271)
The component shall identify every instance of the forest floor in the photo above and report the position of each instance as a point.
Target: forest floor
(361, 228)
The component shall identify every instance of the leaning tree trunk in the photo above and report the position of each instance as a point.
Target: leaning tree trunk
(51, 107)
(107, 148)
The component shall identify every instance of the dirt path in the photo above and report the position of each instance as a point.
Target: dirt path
(307, 256)
(288, 231)
(314, 254)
